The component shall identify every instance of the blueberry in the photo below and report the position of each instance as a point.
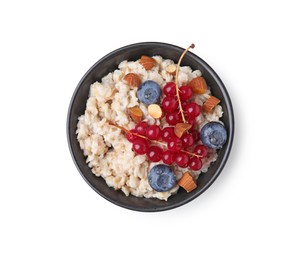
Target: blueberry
(213, 135)
(161, 178)
(149, 92)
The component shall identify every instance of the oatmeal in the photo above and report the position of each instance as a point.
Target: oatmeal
(100, 133)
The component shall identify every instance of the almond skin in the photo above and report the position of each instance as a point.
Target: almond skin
(135, 113)
(198, 85)
(187, 182)
(171, 69)
(155, 111)
(210, 104)
(181, 128)
(147, 62)
(132, 79)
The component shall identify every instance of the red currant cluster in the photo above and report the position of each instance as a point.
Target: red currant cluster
(148, 139)
(171, 107)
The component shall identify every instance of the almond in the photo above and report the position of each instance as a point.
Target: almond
(135, 113)
(147, 62)
(155, 111)
(171, 69)
(210, 103)
(181, 128)
(187, 182)
(132, 79)
(198, 85)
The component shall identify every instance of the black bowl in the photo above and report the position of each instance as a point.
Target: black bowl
(109, 63)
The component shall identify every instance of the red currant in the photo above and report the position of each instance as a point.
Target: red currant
(173, 118)
(170, 89)
(141, 128)
(174, 144)
(169, 104)
(195, 134)
(153, 132)
(195, 163)
(168, 157)
(154, 153)
(184, 166)
(140, 146)
(185, 93)
(130, 137)
(168, 133)
(187, 140)
(201, 150)
(183, 104)
(192, 110)
(192, 122)
(181, 159)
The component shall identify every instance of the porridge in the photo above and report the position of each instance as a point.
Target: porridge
(145, 136)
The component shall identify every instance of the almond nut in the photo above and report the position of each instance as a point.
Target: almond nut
(171, 69)
(187, 182)
(135, 113)
(155, 111)
(210, 104)
(181, 128)
(132, 79)
(198, 85)
(147, 62)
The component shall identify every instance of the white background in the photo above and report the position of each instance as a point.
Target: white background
(252, 211)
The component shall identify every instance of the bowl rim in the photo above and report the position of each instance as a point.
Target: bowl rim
(228, 144)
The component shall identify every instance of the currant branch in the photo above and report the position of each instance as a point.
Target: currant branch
(152, 141)
(177, 83)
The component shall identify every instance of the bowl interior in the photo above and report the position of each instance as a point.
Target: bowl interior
(108, 64)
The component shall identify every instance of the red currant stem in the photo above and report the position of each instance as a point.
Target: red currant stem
(192, 154)
(135, 134)
(120, 127)
(176, 81)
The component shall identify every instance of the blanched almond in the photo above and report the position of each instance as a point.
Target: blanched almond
(147, 62)
(198, 85)
(181, 128)
(171, 69)
(135, 113)
(187, 182)
(210, 103)
(132, 79)
(155, 111)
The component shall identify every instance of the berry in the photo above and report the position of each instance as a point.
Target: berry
(141, 128)
(169, 104)
(183, 104)
(174, 144)
(168, 157)
(149, 92)
(192, 110)
(195, 163)
(154, 153)
(170, 89)
(213, 135)
(185, 93)
(130, 137)
(173, 118)
(187, 140)
(192, 122)
(153, 132)
(140, 146)
(181, 159)
(201, 150)
(161, 178)
(195, 134)
(168, 133)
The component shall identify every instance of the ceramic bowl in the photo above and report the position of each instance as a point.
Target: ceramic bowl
(108, 64)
